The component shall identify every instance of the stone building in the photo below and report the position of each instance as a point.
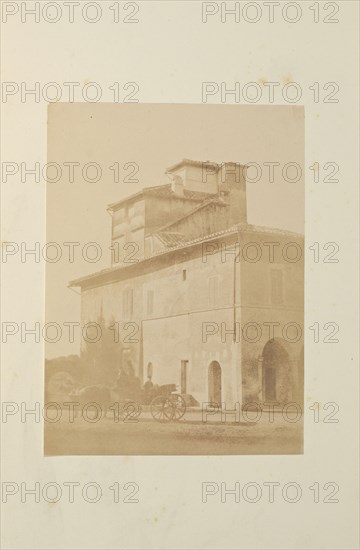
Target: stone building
(202, 298)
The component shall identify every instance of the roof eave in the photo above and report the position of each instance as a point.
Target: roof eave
(190, 162)
(214, 236)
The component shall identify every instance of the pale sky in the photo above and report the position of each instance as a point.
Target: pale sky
(155, 136)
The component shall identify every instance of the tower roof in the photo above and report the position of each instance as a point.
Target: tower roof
(162, 191)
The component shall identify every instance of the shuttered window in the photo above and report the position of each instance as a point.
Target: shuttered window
(128, 303)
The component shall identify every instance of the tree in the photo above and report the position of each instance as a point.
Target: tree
(102, 355)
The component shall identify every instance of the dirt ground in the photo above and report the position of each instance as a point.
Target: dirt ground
(188, 436)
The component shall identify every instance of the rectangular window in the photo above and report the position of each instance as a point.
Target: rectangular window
(276, 286)
(213, 291)
(128, 303)
(183, 377)
(150, 302)
(184, 275)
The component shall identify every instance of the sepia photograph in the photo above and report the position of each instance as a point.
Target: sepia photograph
(179, 275)
(175, 289)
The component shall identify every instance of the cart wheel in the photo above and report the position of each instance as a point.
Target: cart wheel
(179, 405)
(162, 409)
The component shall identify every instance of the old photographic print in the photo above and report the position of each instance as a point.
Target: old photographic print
(179, 316)
(174, 280)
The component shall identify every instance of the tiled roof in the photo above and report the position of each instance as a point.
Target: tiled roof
(199, 163)
(240, 227)
(163, 191)
(167, 192)
(171, 238)
(212, 200)
(192, 163)
(181, 243)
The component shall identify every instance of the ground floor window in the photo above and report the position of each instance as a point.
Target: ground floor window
(214, 383)
(149, 371)
(183, 376)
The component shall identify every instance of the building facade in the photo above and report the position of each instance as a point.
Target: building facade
(200, 297)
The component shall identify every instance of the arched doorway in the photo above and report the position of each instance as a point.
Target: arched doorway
(276, 379)
(214, 383)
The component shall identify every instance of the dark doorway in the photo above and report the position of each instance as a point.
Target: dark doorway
(276, 378)
(214, 382)
(270, 384)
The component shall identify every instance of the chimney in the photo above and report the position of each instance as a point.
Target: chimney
(196, 175)
(232, 187)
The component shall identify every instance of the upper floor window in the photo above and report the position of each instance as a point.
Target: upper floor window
(184, 274)
(128, 303)
(213, 291)
(150, 302)
(276, 286)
